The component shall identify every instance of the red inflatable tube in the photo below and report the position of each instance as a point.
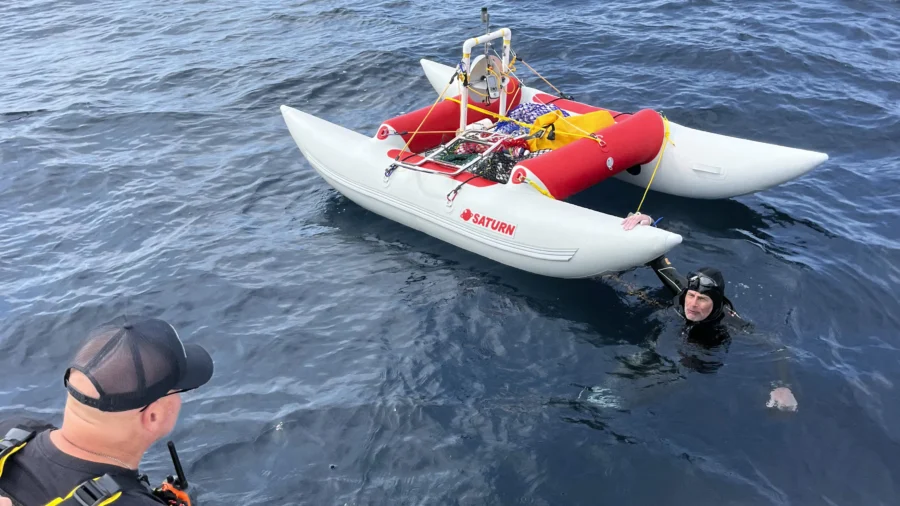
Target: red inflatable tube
(574, 167)
(443, 118)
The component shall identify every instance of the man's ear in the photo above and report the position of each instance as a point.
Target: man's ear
(154, 414)
(149, 416)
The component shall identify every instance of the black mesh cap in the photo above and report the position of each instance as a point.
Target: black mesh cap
(134, 361)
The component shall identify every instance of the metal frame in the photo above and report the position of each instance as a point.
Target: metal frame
(468, 136)
(466, 61)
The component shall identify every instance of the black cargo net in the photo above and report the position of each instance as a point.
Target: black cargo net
(495, 166)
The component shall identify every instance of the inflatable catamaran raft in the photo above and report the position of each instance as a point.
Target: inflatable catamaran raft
(488, 165)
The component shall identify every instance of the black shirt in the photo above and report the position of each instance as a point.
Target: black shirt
(40, 472)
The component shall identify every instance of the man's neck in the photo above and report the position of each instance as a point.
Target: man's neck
(85, 448)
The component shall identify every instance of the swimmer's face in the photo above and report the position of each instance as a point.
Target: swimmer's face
(697, 306)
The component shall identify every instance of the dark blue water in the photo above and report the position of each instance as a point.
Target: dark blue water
(145, 167)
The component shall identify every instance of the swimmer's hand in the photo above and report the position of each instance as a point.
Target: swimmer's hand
(782, 398)
(634, 220)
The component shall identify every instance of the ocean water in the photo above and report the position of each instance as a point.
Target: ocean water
(145, 168)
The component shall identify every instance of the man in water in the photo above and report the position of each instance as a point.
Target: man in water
(700, 300)
(124, 386)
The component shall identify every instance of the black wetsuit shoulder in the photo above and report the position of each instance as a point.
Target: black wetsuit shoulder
(668, 274)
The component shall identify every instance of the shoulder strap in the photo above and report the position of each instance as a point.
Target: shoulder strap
(95, 492)
(99, 491)
(13, 441)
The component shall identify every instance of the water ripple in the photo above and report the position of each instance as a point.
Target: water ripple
(144, 167)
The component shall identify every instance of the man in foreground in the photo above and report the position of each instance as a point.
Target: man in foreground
(124, 386)
(700, 300)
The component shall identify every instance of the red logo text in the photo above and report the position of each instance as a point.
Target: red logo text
(488, 222)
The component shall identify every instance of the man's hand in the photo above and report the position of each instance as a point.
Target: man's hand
(782, 398)
(5, 501)
(635, 220)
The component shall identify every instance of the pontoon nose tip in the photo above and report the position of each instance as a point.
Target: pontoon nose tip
(815, 158)
(672, 240)
(810, 161)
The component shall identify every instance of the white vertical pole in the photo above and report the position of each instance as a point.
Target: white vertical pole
(507, 39)
(464, 93)
(466, 60)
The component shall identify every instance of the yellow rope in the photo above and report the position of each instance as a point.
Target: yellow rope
(527, 125)
(563, 118)
(538, 188)
(519, 90)
(492, 71)
(585, 133)
(423, 119)
(489, 113)
(542, 77)
(512, 65)
(512, 69)
(583, 136)
(473, 90)
(666, 140)
(523, 179)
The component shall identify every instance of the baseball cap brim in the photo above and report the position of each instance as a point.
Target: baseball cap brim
(199, 368)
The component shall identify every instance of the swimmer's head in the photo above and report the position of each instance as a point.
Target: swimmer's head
(704, 296)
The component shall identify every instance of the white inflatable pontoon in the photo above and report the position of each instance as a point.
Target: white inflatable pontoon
(454, 170)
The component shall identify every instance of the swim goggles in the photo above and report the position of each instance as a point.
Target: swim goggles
(700, 281)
